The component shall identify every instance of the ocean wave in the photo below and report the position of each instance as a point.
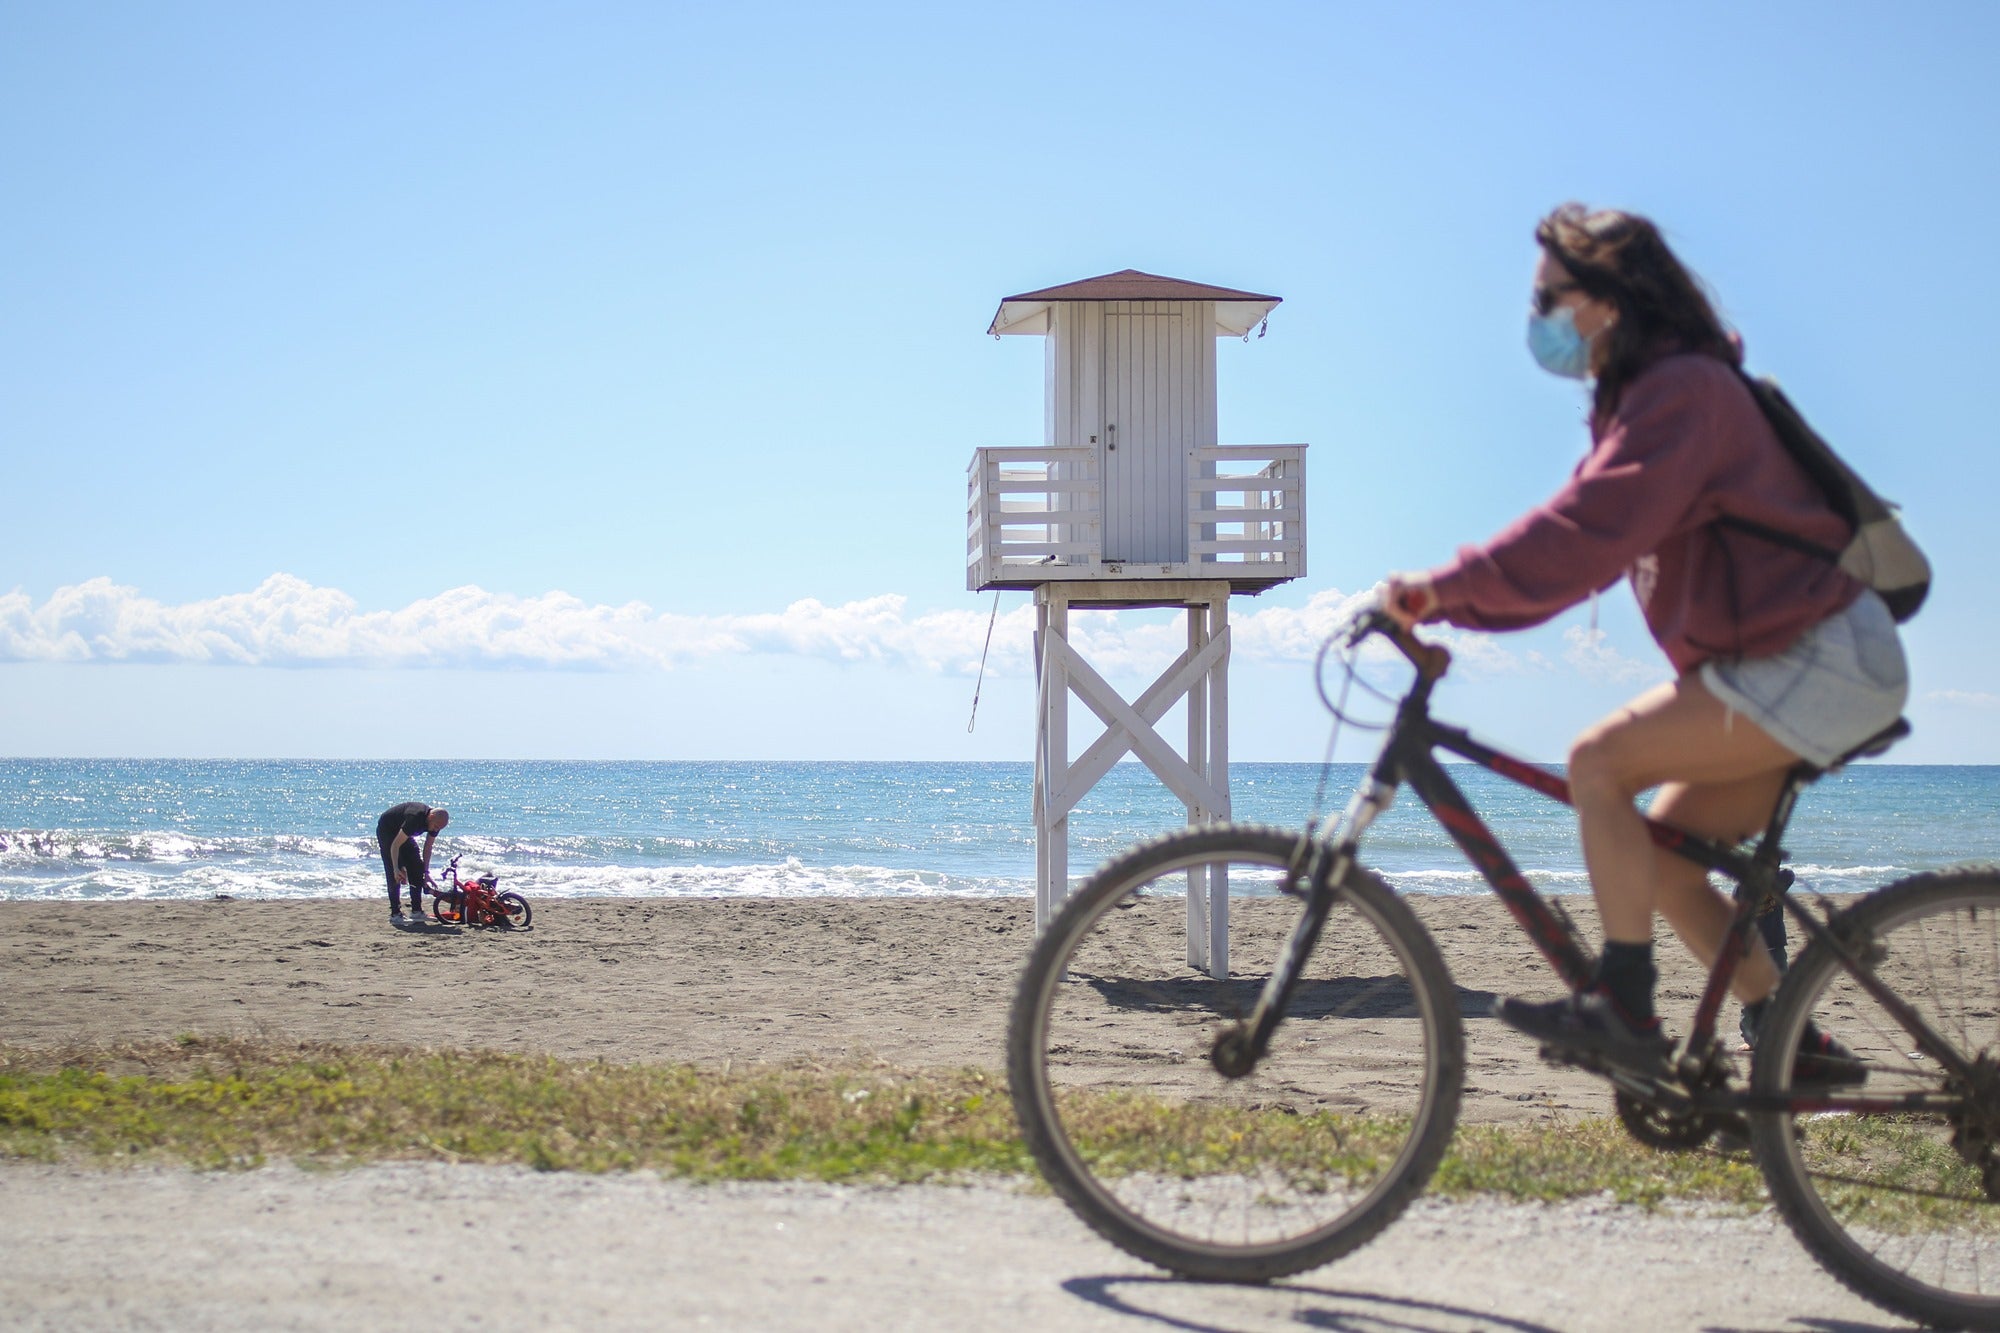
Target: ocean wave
(1455, 881)
(166, 864)
(24, 848)
(789, 878)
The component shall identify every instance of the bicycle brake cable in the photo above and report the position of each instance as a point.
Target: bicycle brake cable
(1326, 761)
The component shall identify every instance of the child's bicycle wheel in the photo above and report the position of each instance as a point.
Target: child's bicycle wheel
(511, 911)
(448, 908)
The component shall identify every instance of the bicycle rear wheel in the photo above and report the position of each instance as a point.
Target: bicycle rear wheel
(1302, 1160)
(1900, 1207)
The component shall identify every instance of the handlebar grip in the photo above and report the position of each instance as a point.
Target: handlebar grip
(1410, 601)
(1431, 660)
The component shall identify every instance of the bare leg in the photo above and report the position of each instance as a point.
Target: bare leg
(1699, 914)
(1679, 734)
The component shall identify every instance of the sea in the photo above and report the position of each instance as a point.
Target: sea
(167, 829)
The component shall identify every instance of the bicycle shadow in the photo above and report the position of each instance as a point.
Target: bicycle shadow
(1347, 1310)
(1817, 1325)
(1315, 997)
(1342, 1310)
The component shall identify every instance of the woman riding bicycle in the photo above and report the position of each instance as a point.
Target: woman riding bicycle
(1780, 657)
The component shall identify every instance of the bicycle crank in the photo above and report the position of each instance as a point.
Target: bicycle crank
(1234, 1054)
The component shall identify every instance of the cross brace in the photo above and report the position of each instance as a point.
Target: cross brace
(1200, 780)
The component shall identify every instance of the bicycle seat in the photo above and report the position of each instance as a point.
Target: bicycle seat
(1879, 743)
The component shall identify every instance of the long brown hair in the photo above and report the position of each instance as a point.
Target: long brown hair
(1662, 308)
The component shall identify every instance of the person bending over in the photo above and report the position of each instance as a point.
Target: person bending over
(395, 831)
(1778, 656)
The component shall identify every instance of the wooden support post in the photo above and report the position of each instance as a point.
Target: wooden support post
(1218, 778)
(1052, 755)
(1201, 780)
(1197, 757)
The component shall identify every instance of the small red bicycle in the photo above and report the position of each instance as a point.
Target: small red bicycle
(474, 903)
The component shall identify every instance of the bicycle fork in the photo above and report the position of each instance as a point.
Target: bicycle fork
(1240, 1045)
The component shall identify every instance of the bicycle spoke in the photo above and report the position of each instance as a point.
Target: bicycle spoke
(1896, 1205)
(1305, 1156)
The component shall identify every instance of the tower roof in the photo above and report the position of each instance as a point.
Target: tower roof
(1235, 312)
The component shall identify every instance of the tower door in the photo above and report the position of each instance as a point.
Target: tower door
(1152, 408)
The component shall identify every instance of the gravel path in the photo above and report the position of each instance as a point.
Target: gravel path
(459, 1247)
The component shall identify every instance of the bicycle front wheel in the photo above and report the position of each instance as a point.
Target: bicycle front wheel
(1242, 1179)
(1901, 1207)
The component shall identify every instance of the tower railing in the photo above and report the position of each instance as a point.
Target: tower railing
(1034, 514)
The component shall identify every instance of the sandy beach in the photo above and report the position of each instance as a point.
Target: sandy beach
(917, 982)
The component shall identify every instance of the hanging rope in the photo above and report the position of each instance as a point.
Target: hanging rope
(980, 683)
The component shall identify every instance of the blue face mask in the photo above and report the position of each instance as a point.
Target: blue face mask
(1557, 347)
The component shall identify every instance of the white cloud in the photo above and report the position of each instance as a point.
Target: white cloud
(287, 622)
(1592, 656)
(1964, 698)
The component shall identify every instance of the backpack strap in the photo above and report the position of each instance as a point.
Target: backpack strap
(1779, 536)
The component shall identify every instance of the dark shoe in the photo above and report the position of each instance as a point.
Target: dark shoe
(1822, 1061)
(1589, 1024)
(1825, 1062)
(1732, 1132)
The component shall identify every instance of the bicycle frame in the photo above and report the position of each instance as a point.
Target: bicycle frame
(1408, 755)
(474, 898)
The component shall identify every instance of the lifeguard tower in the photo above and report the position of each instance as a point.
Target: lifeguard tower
(1131, 502)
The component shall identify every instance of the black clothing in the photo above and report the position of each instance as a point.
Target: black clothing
(412, 861)
(410, 819)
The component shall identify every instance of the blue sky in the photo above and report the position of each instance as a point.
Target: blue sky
(598, 380)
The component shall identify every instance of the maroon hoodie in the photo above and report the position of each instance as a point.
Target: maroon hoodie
(1686, 444)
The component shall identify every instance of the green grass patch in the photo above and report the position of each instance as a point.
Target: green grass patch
(227, 1103)
(1581, 1158)
(220, 1104)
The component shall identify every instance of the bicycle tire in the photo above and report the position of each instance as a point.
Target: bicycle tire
(1305, 1159)
(506, 906)
(1887, 1203)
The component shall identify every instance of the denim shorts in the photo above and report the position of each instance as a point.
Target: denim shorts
(1843, 681)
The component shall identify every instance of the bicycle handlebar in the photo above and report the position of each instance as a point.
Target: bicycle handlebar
(1431, 660)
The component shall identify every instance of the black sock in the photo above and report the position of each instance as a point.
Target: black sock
(1626, 971)
(1753, 1019)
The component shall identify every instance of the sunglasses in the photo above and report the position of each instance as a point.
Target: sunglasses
(1545, 298)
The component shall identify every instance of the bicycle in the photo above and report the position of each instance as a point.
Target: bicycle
(474, 903)
(1224, 1131)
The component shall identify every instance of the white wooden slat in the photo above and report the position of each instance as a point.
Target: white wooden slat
(1003, 488)
(1157, 755)
(1244, 514)
(1219, 452)
(1253, 543)
(1248, 485)
(1041, 513)
(1181, 675)
(1014, 544)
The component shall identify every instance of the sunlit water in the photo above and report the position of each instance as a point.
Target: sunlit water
(187, 829)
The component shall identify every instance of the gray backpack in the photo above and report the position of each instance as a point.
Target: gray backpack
(1879, 554)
